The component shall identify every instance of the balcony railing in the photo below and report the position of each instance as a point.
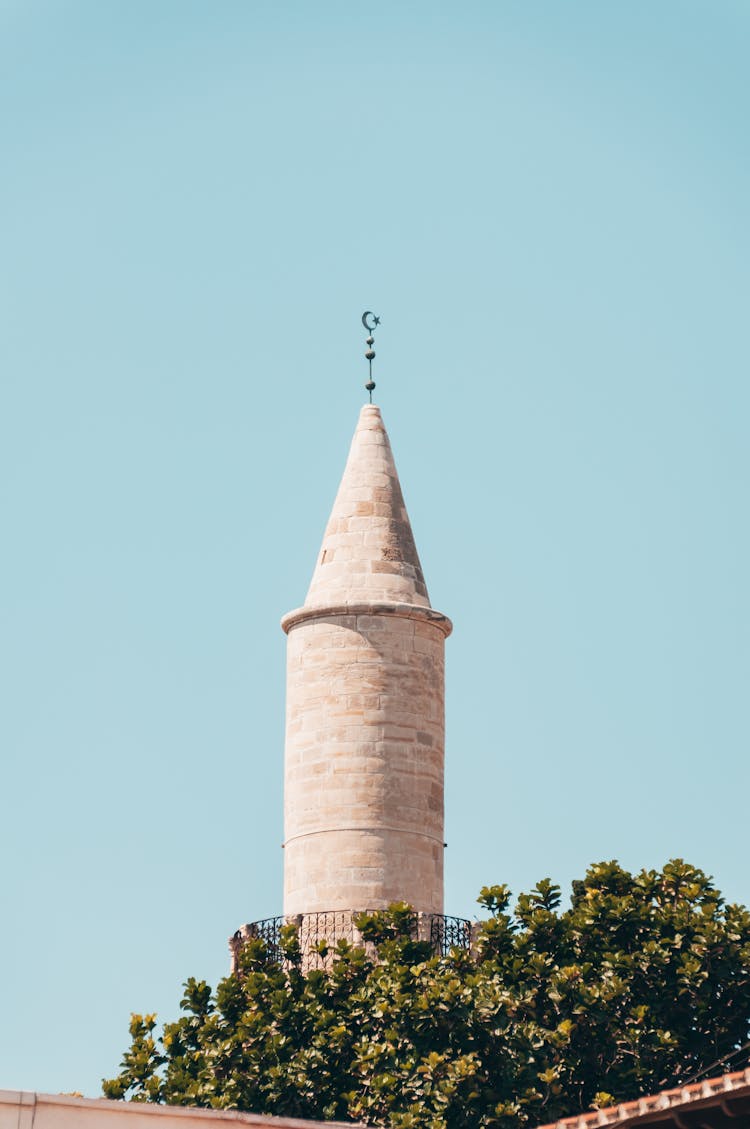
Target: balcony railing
(443, 933)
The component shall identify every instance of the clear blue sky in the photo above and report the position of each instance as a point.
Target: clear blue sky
(547, 204)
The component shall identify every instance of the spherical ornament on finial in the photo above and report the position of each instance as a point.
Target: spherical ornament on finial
(370, 322)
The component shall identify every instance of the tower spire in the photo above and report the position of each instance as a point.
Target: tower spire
(368, 552)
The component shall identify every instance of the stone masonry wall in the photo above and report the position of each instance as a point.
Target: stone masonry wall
(364, 759)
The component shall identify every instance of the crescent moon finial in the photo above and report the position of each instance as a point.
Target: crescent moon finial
(370, 352)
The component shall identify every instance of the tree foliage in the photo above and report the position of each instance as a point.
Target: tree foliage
(643, 981)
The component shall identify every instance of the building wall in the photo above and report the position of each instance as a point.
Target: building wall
(21, 1109)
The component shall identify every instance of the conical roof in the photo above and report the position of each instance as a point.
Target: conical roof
(368, 555)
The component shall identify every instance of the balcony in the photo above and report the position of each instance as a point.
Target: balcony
(443, 933)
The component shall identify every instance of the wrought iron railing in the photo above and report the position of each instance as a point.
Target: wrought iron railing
(448, 933)
(268, 930)
(443, 933)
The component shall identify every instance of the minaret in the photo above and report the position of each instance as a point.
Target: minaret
(363, 801)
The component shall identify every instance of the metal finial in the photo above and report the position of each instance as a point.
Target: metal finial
(370, 352)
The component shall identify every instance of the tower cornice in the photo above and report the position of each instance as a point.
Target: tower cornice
(335, 611)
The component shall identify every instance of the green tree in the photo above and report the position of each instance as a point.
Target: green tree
(643, 981)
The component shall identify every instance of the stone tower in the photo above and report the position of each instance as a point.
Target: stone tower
(363, 802)
(365, 732)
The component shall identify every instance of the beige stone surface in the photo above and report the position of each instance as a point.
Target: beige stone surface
(364, 762)
(368, 550)
(23, 1109)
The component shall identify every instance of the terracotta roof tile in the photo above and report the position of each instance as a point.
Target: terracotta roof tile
(657, 1107)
